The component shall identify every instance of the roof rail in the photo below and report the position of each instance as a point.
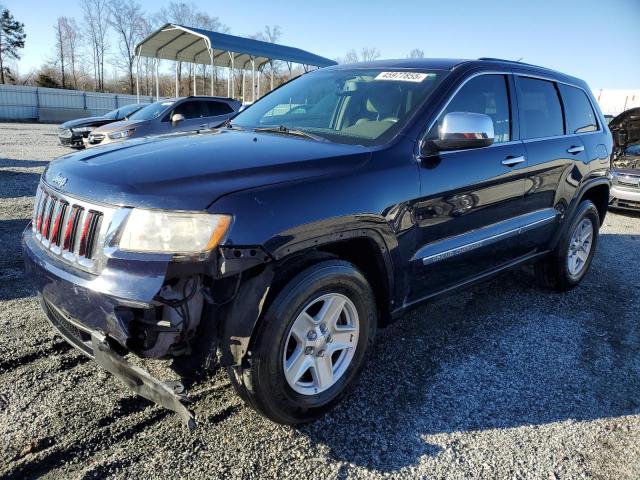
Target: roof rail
(491, 59)
(499, 59)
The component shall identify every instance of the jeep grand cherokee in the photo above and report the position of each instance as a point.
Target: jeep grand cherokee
(277, 245)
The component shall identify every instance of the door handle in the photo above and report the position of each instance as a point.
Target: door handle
(513, 161)
(204, 125)
(575, 149)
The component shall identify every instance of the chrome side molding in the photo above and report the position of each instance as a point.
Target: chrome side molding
(466, 242)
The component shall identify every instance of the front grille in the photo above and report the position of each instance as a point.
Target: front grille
(95, 138)
(78, 337)
(68, 228)
(629, 180)
(627, 204)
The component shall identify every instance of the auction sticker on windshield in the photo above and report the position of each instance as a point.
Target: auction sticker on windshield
(403, 76)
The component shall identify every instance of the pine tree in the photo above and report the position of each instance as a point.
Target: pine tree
(11, 39)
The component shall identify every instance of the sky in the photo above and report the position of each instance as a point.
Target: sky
(598, 41)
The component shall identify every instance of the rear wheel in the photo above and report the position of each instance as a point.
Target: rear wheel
(311, 344)
(571, 260)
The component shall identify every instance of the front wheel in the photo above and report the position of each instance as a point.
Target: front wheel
(571, 260)
(311, 344)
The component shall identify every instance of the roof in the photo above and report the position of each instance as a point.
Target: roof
(426, 63)
(189, 44)
(453, 63)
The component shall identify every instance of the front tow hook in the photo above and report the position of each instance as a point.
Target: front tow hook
(168, 395)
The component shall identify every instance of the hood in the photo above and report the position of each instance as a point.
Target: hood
(83, 122)
(190, 171)
(121, 125)
(625, 128)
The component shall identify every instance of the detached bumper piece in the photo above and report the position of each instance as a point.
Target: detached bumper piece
(140, 381)
(96, 345)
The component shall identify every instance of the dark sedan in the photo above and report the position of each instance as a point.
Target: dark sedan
(72, 132)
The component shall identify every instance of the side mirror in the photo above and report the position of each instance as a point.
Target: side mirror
(176, 119)
(462, 130)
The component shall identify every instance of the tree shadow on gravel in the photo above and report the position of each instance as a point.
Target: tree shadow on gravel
(13, 283)
(18, 184)
(500, 355)
(13, 163)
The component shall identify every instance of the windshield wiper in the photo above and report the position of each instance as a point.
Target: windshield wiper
(290, 131)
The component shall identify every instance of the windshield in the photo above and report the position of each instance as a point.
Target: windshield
(112, 115)
(355, 106)
(128, 110)
(152, 111)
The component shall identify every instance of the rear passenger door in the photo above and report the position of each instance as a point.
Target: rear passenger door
(471, 200)
(217, 112)
(556, 159)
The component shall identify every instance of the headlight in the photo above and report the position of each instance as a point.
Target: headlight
(173, 232)
(121, 134)
(83, 129)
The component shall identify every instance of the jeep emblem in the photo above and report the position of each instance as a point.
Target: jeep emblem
(59, 180)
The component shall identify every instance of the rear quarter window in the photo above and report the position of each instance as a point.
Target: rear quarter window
(580, 115)
(214, 109)
(540, 109)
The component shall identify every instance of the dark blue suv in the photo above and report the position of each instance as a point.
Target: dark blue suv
(276, 245)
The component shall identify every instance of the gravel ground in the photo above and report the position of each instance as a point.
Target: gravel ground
(500, 381)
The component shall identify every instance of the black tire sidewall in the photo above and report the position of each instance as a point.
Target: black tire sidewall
(270, 387)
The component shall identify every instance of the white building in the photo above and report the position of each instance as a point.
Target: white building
(613, 102)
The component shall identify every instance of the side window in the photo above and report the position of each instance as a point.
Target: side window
(540, 110)
(213, 109)
(485, 94)
(580, 115)
(190, 109)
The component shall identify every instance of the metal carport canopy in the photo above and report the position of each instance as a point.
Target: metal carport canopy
(194, 45)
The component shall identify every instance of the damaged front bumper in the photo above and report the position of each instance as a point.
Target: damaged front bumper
(166, 394)
(98, 346)
(93, 313)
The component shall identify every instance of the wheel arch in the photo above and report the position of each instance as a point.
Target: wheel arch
(595, 190)
(599, 195)
(365, 248)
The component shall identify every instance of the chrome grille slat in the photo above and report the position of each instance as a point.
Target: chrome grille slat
(71, 229)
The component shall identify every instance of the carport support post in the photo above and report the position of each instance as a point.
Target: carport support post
(259, 72)
(230, 80)
(271, 65)
(253, 80)
(212, 67)
(138, 78)
(177, 83)
(243, 82)
(157, 81)
(195, 70)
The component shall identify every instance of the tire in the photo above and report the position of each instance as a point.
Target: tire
(555, 272)
(261, 381)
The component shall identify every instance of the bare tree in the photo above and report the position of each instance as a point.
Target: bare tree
(270, 34)
(351, 57)
(71, 37)
(188, 14)
(126, 17)
(416, 53)
(368, 54)
(66, 51)
(60, 50)
(96, 18)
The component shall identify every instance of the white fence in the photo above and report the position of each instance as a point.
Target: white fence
(18, 102)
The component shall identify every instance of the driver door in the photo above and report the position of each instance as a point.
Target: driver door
(472, 201)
